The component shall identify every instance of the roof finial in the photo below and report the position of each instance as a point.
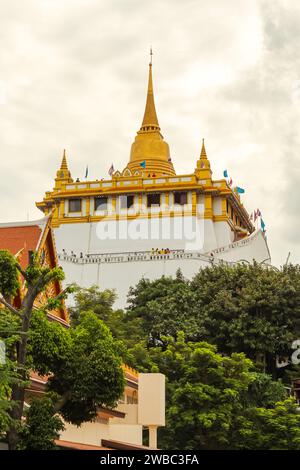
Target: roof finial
(64, 165)
(150, 121)
(203, 150)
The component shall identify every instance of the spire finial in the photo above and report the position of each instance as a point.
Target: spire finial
(64, 165)
(150, 121)
(203, 150)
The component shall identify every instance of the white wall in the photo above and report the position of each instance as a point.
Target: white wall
(137, 235)
(93, 432)
(120, 276)
(224, 235)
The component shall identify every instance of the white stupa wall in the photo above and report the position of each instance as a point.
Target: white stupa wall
(176, 233)
(196, 235)
(121, 276)
(251, 248)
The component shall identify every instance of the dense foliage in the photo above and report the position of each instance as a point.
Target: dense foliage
(216, 338)
(216, 398)
(42, 426)
(83, 362)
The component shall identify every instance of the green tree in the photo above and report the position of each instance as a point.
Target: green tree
(276, 428)
(92, 299)
(242, 308)
(36, 277)
(250, 308)
(42, 426)
(7, 377)
(164, 306)
(218, 402)
(205, 393)
(9, 335)
(84, 361)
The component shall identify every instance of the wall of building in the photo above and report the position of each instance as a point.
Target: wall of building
(121, 276)
(248, 249)
(141, 234)
(93, 432)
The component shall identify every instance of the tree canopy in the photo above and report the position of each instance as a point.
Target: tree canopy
(241, 308)
(216, 338)
(83, 362)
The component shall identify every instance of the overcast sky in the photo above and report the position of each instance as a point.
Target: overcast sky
(73, 74)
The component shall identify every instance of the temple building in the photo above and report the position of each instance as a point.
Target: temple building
(22, 239)
(146, 220)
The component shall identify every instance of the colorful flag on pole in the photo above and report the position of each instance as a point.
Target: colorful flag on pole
(111, 170)
(86, 172)
(240, 190)
(143, 164)
(225, 173)
(255, 215)
(251, 216)
(230, 182)
(258, 213)
(262, 225)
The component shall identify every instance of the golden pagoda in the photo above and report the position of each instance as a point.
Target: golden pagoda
(149, 148)
(149, 168)
(107, 230)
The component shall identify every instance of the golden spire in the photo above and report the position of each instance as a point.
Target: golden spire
(64, 165)
(150, 154)
(150, 121)
(203, 165)
(63, 174)
(203, 151)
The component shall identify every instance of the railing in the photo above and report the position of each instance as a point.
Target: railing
(239, 243)
(97, 258)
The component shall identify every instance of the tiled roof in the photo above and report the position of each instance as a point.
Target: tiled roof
(17, 238)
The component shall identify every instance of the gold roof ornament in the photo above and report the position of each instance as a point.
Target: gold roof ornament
(203, 170)
(63, 175)
(64, 165)
(150, 121)
(149, 147)
(203, 154)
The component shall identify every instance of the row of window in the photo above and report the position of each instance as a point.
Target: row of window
(126, 202)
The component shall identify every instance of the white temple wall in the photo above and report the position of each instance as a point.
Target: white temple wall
(253, 247)
(224, 235)
(141, 234)
(121, 276)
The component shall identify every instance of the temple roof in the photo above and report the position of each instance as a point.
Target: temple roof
(21, 238)
(18, 236)
(150, 116)
(149, 151)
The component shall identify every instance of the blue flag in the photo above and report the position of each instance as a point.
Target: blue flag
(225, 173)
(143, 164)
(262, 225)
(240, 190)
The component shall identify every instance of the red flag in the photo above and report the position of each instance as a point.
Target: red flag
(230, 182)
(255, 216)
(258, 213)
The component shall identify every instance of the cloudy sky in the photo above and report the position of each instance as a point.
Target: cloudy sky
(73, 75)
